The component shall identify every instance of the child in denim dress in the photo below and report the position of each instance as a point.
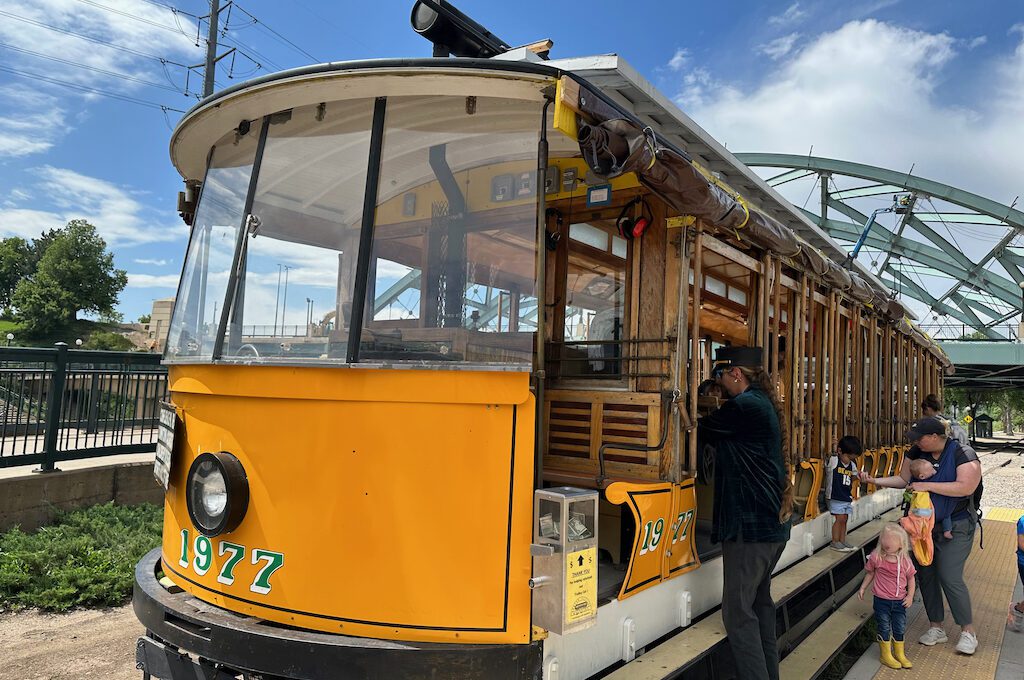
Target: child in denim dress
(890, 571)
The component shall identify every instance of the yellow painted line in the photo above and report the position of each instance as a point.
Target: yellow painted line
(1005, 514)
(990, 575)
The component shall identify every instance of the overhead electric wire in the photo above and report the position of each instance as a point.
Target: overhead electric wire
(948, 230)
(245, 50)
(268, 28)
(816, 180)
(172, 8)
(91, 90)
(122, 76)
(352, 34)
(163, 60)
(97, 41)
(129, 15)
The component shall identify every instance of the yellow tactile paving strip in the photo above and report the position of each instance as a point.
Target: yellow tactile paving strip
(1005, 514)
(991, 575)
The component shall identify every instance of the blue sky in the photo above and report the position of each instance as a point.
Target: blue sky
(937, 84)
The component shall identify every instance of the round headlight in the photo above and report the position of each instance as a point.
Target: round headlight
(217, 493)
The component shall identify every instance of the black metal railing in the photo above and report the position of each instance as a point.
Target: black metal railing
(60, 404)
(950, 331)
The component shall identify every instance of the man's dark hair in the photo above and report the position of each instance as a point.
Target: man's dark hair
(851, 445)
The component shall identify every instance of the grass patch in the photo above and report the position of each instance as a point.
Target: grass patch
(86, 558)
(853, 650)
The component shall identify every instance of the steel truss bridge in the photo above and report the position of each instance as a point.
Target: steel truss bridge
(957, 253)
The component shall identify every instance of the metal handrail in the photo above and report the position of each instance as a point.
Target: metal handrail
(61, 404)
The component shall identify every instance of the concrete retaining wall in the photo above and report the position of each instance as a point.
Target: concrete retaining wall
(31, 500)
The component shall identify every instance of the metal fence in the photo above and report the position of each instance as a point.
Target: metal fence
(60, 404)
(953, 331)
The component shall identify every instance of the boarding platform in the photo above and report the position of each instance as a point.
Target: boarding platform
(818, 594)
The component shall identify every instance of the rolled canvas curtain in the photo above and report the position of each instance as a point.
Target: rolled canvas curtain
(612, 145)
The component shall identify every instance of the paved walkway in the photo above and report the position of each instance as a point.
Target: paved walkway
(991, 575)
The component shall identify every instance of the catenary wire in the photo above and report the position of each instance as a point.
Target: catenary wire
(115, 74)
(91, 90)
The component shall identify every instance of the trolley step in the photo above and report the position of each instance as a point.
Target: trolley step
(805, 594)
(818, 649)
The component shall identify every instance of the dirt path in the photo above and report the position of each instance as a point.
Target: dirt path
(90, 644)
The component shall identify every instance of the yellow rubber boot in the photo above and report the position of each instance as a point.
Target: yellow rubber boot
(899, 655)
(885, 655)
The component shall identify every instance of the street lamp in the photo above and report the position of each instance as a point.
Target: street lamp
(78, 342)
(10, 337)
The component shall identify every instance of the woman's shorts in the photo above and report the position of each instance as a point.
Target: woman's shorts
(840, 507)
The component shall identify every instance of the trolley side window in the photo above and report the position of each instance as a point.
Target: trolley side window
(200, 299)
(595, 302)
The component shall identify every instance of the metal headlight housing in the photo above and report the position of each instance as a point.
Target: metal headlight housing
(217, 493)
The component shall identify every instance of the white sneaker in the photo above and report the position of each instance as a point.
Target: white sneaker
(967, 643)
(933, 636)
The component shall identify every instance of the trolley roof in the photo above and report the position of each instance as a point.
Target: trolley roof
(637, 96)
(610, 74)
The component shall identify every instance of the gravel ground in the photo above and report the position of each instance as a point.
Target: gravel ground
(89, 644)
(1003, 476)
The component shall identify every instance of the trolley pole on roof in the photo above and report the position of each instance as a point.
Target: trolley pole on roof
(211, 49)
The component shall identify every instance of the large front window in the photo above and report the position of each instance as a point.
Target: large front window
(450, 261)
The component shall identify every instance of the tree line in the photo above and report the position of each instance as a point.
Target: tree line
(1005, 406)
(46, 282)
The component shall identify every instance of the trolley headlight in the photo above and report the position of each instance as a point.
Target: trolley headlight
(217, 493)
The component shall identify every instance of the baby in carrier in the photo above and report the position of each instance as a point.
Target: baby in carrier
(921, 469)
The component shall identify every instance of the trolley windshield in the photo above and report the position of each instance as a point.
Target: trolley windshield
(441, 268)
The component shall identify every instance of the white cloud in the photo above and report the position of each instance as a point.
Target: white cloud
(116, 214)
(34, 114)
(977, 42)
(780, 47)
(889, 106)
(876, 106)
(679, 59)
(30, 121)
(792, 15)
(697, 86)
(151, 281)
(155, 263)
(28, 223)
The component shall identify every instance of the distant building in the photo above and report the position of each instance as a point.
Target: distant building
(159, 321)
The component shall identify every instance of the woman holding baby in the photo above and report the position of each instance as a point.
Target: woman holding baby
(957, 475)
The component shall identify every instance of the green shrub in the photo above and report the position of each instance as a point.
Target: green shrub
(85, 559)
(109, 341)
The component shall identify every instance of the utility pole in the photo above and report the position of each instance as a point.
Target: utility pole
(211, 49)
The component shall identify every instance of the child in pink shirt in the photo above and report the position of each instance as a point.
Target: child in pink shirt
(892, 572)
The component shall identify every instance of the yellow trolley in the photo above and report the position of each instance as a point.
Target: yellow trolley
(479, 460)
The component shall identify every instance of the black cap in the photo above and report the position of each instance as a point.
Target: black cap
(925, 426)
(738, 356)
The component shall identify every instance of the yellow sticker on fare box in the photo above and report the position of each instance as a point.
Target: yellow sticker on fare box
(581, 585)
